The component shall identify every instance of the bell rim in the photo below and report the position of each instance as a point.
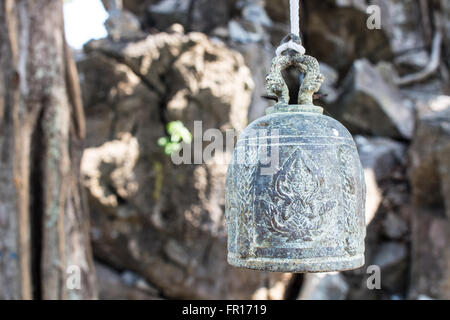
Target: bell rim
(304, 265)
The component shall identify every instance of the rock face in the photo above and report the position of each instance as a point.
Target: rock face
(126, 285)
(430, 179)
(336, 33)
(445, 20)
(369, 105)
(430, 158)
(121, 24)
(387, 219)
(398, 21)
(379, 157)
(162, 221)
(198, 15)
(383, 155)
(325, 286)
(391, 258)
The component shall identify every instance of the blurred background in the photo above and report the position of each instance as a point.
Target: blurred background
(157, 229)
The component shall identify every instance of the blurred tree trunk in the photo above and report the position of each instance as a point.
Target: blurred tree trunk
(44, 238)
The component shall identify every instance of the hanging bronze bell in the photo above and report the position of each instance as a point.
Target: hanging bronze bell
(295, 190)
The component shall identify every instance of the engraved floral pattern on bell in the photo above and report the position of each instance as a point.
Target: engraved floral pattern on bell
(301, 206)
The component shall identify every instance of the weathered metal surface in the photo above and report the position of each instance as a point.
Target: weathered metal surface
(295, 188)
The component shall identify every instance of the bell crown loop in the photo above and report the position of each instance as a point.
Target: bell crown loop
(276, 85)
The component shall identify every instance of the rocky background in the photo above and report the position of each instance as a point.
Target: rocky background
(158, 228)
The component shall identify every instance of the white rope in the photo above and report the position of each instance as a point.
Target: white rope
(295, 29)
(295, 17)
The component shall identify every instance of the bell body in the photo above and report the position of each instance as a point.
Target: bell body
(295, 194)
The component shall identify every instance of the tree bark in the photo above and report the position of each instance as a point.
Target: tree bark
(44, 236)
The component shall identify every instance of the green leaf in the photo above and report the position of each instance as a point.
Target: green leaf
(178, 132)
(163, 141)
(171, 148)
(175, 137)
(174, 126)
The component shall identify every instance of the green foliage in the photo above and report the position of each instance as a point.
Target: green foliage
(178, 133)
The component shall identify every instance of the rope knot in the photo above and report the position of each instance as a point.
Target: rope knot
(290, 42)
